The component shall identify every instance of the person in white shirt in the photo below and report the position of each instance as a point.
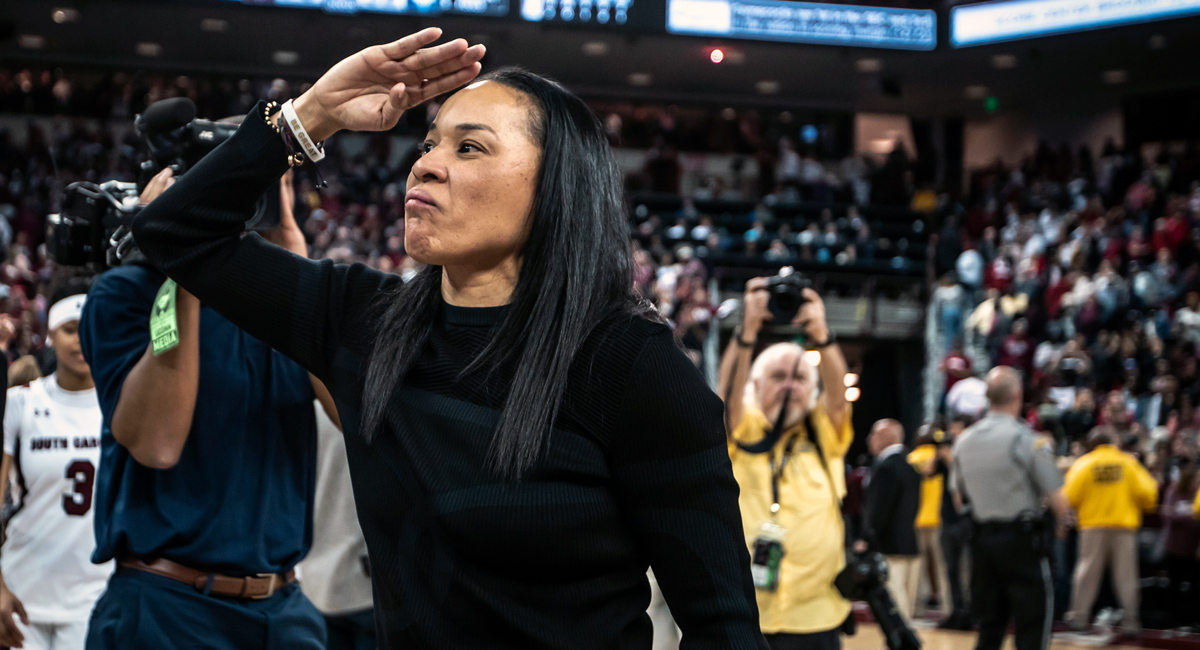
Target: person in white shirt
(1187, 319)
(335, 575)
(48, 583)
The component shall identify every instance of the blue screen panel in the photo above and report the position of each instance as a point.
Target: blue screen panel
(805, 22)
(404, 7)
(992, 22)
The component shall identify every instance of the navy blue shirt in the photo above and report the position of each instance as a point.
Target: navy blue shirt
(240, 499)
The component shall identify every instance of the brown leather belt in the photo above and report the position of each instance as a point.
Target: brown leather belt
(257, 587)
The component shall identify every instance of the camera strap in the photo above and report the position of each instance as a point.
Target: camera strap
(771, 436)
(816, 441)
(164, 327)
(777, 472)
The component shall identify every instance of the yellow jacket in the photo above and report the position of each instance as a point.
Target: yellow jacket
(1110, 489)
(930, 514)
(814, 547)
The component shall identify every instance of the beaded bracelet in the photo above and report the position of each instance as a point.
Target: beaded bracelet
(295, 157)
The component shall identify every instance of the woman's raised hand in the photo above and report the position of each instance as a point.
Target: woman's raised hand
(368, 91)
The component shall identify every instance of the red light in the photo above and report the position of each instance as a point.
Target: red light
(717, 55)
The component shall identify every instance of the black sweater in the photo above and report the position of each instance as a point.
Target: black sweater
(636, 470)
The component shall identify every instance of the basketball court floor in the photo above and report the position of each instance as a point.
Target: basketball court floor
(869, 638)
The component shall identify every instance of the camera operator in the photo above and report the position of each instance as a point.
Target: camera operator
(792, 493)
(205, 493)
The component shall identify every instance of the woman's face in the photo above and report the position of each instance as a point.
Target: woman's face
(65, 339)
(470, 195)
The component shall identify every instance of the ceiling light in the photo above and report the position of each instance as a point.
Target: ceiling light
(31, 41)
(850, 379)
(717, 55)
(867, 66)
(1115, 76)
(767, 87)
(149, 49)
(976, 91)
(853, 393)
(285, 57)
(64, 15)
(214, 25)
(595, 48)
(1004, 61)
(812, 358)
(1158, 42)
(640, 79)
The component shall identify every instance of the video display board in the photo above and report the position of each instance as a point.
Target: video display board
(805, 22)
(992, 22)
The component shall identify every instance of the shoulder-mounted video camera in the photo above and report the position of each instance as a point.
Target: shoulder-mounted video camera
(92, 226)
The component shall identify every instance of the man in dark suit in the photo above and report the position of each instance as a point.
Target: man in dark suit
(893, 495)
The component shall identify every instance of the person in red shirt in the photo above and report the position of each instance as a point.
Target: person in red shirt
(998, 274)
(955, 365)
(1056, 291)
(1138, 248)
(1017, 349)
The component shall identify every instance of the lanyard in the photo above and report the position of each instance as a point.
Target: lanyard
(777, 472)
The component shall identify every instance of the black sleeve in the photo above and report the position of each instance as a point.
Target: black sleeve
(940, 468)
(673, 479)
(193, 233)
(882, 495)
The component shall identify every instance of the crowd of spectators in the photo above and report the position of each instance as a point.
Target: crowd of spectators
(1082, 273)
(782, 206)
(1086, 278)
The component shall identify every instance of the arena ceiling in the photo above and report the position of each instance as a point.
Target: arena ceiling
(1100, 66)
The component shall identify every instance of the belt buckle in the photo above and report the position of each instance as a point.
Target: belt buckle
(272, 580)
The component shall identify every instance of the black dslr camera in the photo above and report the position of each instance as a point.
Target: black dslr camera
(787, 294)
(92, 227)
(865, 578)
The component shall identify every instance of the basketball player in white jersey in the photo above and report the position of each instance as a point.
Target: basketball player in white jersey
(51, 450)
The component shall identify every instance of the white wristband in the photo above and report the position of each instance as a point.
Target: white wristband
(311, 150)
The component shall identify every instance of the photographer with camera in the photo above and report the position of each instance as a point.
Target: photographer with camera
(788, 438)
(205, 492)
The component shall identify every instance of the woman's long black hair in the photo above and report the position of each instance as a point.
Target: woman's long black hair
(575, 270)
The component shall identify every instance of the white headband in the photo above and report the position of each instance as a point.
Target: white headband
(67, 309)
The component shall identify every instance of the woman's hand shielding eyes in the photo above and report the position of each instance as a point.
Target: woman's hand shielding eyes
(368, 91)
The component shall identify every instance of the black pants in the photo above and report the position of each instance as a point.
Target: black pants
(1010, 579)
(351, 631)
(954, 549)
(831, 640)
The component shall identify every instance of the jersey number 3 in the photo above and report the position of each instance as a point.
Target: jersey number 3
(79, 500)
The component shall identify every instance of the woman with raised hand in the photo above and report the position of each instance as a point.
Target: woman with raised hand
(524, 435)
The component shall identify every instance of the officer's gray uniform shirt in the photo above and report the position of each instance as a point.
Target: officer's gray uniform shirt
(1001, 471)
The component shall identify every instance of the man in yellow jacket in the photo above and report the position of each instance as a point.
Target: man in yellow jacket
(791, 491)
(1109, 489)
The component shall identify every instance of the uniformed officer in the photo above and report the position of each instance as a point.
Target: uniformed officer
(1007, 477)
